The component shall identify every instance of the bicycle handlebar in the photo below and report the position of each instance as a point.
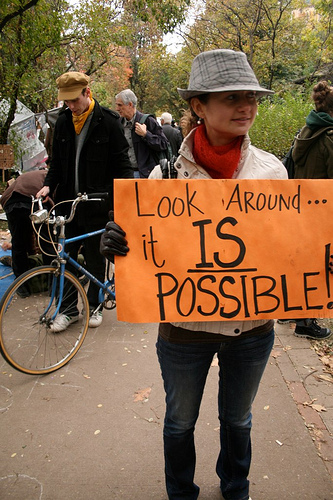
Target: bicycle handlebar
(102, 196)
(42, 214)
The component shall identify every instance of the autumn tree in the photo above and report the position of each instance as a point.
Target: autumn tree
(152, 68)
(317, 34)
(27, 30)
(267, 31)
(41, 39)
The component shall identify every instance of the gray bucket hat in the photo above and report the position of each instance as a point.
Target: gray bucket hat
(221, 70)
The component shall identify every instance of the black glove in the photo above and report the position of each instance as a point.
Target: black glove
(113, 241)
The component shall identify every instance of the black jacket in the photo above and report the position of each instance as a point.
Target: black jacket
(147, 148)
(103, 158)
(174, 137)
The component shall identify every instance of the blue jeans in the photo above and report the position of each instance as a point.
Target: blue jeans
(184, 370)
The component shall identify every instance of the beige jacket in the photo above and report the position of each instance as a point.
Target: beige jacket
(254, 164)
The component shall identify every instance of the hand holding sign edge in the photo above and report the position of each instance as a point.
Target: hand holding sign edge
(113, 241)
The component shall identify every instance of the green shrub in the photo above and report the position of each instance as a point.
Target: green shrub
(279, 118)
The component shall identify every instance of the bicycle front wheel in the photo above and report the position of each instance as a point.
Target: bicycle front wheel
(26, 340)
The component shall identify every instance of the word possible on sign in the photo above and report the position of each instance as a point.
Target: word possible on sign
(212, 250)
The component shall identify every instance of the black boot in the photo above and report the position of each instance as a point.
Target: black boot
(309, 328)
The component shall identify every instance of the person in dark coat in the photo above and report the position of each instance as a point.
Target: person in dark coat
(89, 151)
(313, 159)
(146, 140)
(313, 148)
(173, 134)
(16, 202)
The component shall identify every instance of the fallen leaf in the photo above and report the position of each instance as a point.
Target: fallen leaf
(275, 354)
(327, 378)
(326, 360)
(315, 406)
(142, 394)
(318, 408)
(266, 407)
(97, 432)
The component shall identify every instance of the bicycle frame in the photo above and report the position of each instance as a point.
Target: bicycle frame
(64, 258)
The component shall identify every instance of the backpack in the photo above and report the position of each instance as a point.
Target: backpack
(166, 154)
(288, 162)
(168, 169)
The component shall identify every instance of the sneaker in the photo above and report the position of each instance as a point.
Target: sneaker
(61, 322)
(96, 319)
(311, 330)
(284, 321)
(23, 292)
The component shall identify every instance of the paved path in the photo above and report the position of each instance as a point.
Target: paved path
(93, 430)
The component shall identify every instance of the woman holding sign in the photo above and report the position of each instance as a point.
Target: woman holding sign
(222, 93)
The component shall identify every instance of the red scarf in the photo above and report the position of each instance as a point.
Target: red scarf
(219, 161)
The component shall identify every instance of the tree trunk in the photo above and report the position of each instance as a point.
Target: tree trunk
(4, 128)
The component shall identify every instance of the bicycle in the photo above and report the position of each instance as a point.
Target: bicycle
(26, 339)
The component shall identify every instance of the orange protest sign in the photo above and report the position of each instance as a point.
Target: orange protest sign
(212, 250)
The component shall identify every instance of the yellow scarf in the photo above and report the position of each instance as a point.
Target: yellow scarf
(80, 120)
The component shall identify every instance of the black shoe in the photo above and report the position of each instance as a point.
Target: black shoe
(284, 321)
(310, 329)
(23, 292)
